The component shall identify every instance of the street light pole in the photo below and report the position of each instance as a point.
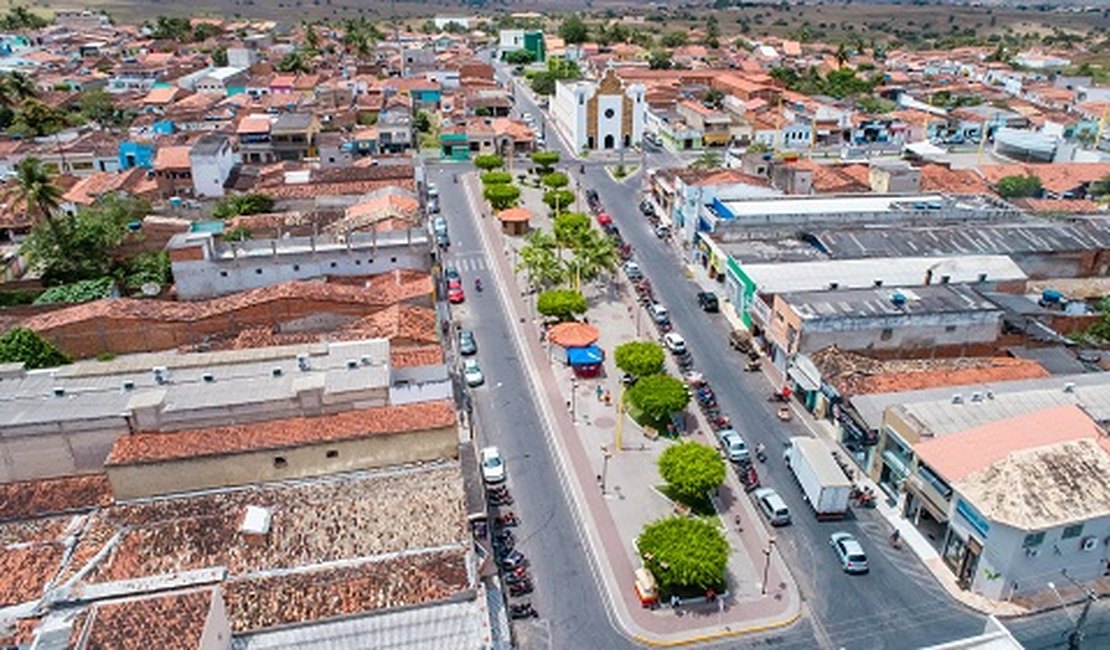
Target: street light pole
(573, 399)
(767, 564)
(1075, 638)
(606, 455)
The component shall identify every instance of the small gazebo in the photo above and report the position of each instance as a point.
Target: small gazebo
(514, 221)
(579, 342)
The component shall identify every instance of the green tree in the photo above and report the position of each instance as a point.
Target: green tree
(98, 106)
(545, 160)
(519, 57)
(715, 98)
(570, 228)
(640, 358)
(555, 180)
(573, 30)
(359, 35)
(242, 204)
(22, 345)
(563, 304)
(875, 105)
(168, 28)
(1100, 189)
(238, 233)
(657, 398)
(558, 200)
(1019, 187)
(501, 197)
(489, 162)
(36, 119)
(496, 178)
(594, 254)
(219, 56)
(422, 122)
(295, 61)
(311, 38)
(148, 267)
(712, 32)
(539, 261)
(205, 31)
(659, 60)
(707, 160)
(692, 470)
(674, 39)
(36, 190)
(684, 553)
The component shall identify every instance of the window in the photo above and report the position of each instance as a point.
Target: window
(332, 453)
(334, 264)
(949, 328)
(223, 274)
(258, 271)
(296, 267)
(1032, 540)
(279, 462)
(609, 113)
(886, 334)
(1072, 531)
(393, 260)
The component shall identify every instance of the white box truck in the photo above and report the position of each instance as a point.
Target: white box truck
(823, 482)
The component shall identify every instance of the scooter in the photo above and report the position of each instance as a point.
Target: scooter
(523, 610)
(761, 454)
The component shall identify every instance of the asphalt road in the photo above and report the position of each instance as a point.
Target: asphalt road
(572, 613)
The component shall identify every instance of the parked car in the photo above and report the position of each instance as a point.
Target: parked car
(849, 552)
(452, 274)
(632, 270)
(472, 373)
(772, 506)
(675, 343)
(433, 206)
(662, 231)
(734, 446)
(659, 313)
(467, 344)
(708, 301)
(646, 208)
(493, 467)
(433, 191)
(439, 225)
(455, 293)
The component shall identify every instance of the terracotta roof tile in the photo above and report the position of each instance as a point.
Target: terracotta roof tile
(277, 434)
(173, 621)
(841, 179)
(1055, 177)
(25, 571)
(176, 157)
(28, 499)
(515, 215)
(414, 356)
(939, 178)
(1060, 206)
(573, 334)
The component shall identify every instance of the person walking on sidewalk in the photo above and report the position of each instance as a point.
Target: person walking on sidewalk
(600, 392)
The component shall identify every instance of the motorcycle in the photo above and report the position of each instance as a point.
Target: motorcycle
(508, 519)
(523, 610)
(521, 588)
(761, 454)
(478, 285)
(504, 538)
(513, 559)
(753, 366)
(518, 576)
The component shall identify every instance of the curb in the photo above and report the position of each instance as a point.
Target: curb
(724, 634)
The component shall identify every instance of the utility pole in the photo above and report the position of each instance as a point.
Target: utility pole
(1075, 638)
(767, 564)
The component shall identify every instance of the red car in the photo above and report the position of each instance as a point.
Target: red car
(604, 219)
(455, 293)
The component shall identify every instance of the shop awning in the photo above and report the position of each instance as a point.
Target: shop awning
(586, 356)
(804, 381)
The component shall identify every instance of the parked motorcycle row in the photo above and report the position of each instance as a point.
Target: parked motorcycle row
(512, 563)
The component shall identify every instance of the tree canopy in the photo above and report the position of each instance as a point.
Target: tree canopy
(242, 204)
(539, 261)
(684, 553)
(496, 178)
(569, 229)
(555, 180)
(1019, 187)
(573, 30)
(563, 304)
(545, 160)
(501, 197)
(691, 469)
(639, 358)
(22, 345)
(558, 200)
(657, 397)
(519, 57)
(489, 162)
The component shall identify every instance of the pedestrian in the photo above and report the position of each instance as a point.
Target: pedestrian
(600, 391)
(675, 601)
(608, 397)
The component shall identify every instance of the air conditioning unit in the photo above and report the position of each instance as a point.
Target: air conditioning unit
(303, 363)
(1032, 552)
(161, 374)
(1089, 543)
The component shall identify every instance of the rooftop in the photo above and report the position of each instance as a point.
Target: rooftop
(276, 434)
(208, 145)
(813, 205)
(52, 496)
(173, 621)
(881, 302)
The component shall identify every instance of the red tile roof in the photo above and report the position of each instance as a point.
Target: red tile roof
(173, 621)
(25, 571)
(29, 499)
(176, 157)
(939, 178)
(1055, 177)
(1060, 206)
(840, 179)
(414, 356)
(409, 580)
(277, 434)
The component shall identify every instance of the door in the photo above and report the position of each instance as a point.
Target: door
(609, 141)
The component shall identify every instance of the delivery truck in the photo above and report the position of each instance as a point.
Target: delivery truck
(823, 482)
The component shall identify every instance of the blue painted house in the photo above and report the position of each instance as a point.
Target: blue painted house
(136, 154)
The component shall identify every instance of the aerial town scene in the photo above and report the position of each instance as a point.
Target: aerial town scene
(554, 324)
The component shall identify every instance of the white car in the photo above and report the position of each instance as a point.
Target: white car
(472, 373)
(632, 270)
(849, 552)
(493, 467)
(772, 506)
(659, 313)
(675, 343)
(433, 191)
(733, 445)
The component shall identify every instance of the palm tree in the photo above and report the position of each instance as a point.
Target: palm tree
(41, 195)
(539, 261)
(16, 87)
(707, 160)
(594, 255)
(842, 55)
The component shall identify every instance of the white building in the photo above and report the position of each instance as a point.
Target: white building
(241, 57)
(220, 80)
(605, 114)
(211, 161)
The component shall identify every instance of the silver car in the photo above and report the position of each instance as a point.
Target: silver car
(772, 506)
(849, 552)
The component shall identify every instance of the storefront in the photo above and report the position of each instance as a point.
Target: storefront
(964, 544)
(896, 460)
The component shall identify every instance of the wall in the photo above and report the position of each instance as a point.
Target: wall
(211, 172)
(903, 333)
(134, 481)
(609, 126)
(569, 114)
(59, 453)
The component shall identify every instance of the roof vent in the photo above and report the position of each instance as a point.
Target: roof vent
(303, 364)
(128, 384)
(366, 360)
(59, 391)
(275, 371)
(977, 397)
(990, 394)
(208, 377)
(878, 283)
(898, 299)
(161, 374)
(1069, 387)
(833, 286)
(351, 364)
(957, 399)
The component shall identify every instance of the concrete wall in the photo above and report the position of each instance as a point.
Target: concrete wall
(211, 172)
(609, 126)
(570, 114)
(134, 481)
(904, 333)
(58, 452)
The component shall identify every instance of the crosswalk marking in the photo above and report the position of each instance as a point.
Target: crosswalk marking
(469, 264)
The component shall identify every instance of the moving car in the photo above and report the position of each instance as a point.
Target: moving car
(849, 552)
(472, 373)
(674, 342)
(467, 344)
(772, 506)
(707, 300)
(493, 467)
(455, 293)
(734, 446)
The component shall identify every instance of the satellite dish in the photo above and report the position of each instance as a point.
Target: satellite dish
(151, 289)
